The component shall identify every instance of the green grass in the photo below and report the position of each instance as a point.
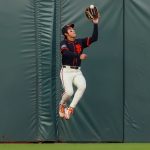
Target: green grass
(109, 146)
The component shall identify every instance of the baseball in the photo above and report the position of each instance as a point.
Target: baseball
(91, 6)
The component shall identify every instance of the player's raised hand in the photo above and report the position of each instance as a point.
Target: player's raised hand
(95, 21)
(92, 14)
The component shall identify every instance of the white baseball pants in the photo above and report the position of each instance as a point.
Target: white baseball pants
(70, 77)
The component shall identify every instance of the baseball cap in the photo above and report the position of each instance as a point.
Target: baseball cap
(65, 28)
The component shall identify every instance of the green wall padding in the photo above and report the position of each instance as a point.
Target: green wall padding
(25, 52)
(115, 106)
(137, 72)
(99, 114)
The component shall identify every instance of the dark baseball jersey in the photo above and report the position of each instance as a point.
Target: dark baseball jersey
(71, 50)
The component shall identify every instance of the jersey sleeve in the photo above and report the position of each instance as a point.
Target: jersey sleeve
(86, 42)
(63, 47)
(65, 50)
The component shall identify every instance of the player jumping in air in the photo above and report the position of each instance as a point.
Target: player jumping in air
(70, 74)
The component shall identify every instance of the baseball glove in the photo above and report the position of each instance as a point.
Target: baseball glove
(91, 13)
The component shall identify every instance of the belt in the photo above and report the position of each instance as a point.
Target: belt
(72, 67)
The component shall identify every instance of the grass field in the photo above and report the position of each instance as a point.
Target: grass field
(109, 146)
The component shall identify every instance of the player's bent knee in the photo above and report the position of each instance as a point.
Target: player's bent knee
(69, 93)
(82, 88)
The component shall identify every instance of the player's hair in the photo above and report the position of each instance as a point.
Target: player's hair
(65, 37)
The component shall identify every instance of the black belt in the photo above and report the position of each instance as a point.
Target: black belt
(72, 67)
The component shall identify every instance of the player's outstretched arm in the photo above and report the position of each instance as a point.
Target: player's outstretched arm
(94, 36)
(93, 15)
(95, 21)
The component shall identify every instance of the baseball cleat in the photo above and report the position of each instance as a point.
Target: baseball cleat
(68, 112)
(62, 110)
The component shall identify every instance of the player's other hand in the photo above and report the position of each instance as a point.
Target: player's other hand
(83, 56)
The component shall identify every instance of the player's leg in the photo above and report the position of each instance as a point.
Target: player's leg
(66, 79)
(80, 82)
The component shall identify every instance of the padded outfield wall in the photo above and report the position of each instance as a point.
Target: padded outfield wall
(115, 106)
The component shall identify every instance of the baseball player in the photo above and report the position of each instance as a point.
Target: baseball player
(71, 74)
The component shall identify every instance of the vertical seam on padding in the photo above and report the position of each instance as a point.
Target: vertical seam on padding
(58, 38)
(38, 64)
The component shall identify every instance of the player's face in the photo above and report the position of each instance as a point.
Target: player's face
(71, 32)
